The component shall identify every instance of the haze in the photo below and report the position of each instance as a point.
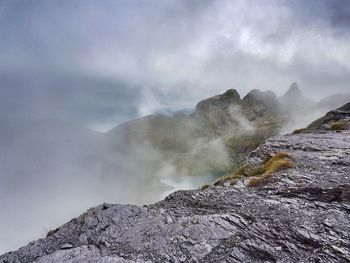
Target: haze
(70, 65)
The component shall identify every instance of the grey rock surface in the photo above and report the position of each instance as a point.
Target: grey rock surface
(301, 215)
(339, 115)
(222, 101)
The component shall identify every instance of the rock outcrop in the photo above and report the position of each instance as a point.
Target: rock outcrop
(301, 214)
(260, 104)
(227, 126)
(334, 120)
(223, 101)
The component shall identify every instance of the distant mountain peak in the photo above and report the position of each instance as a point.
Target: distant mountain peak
(233, 93)
(258, 95)
(294, 86)
(231, 96)
(294, 101)
(293, 91)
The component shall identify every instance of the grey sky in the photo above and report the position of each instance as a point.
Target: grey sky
(109, 61)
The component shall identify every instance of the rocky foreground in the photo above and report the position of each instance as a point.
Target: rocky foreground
(301, 214)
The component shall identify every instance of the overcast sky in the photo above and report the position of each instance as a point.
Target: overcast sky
(106, 61)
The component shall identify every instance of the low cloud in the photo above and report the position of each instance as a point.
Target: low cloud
(68, 65)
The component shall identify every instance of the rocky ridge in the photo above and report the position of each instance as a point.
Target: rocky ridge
(335, 119)
(224, 125)
(301, 214)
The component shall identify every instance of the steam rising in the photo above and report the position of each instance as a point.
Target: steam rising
(243, 123)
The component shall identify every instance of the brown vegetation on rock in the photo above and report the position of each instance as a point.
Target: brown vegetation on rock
(339, 125)
(260, 173)
(276, 163)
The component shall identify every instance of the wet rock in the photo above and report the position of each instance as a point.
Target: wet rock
(301, 215)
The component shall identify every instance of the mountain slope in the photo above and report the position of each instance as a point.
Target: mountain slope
(293, 100)
(298, 215)
(333, 120)
(228, 126)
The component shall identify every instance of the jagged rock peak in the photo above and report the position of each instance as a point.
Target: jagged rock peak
(257, 104)
(294, 101)
(294, 87)
(232, 93)
(258, 95)
(231, 96)
(293, 91)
